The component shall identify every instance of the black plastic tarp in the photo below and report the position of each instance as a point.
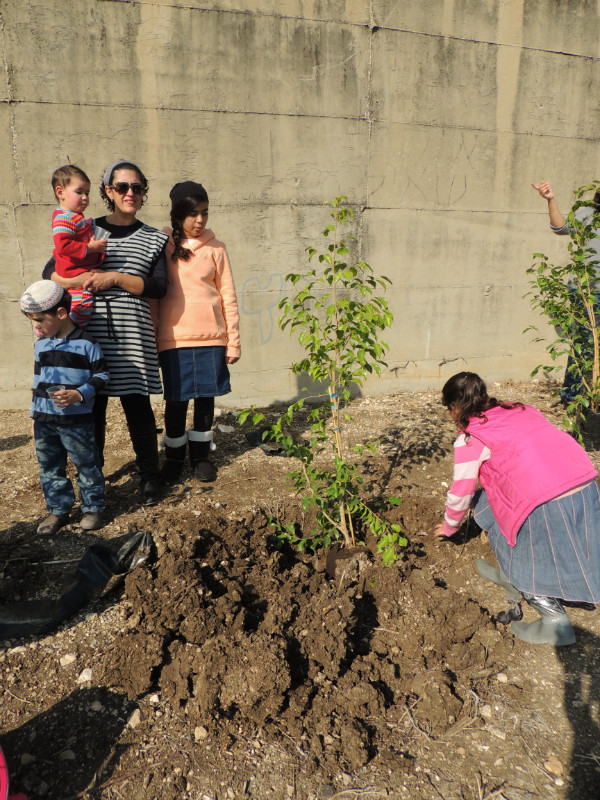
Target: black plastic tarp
(99, 564)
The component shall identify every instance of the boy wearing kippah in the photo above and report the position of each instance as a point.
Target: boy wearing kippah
(69, 363)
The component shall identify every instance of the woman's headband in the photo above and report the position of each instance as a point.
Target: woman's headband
(110, 169)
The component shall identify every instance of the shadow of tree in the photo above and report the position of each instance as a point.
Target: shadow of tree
(582, 706)
(62, 751)
(16, 534)
(12, 442)
(409, 448)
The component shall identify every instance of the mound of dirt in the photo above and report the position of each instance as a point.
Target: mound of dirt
(339, 654)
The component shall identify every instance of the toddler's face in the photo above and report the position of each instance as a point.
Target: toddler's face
(75, 196)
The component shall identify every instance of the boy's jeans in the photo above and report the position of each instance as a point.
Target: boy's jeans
(52, 444)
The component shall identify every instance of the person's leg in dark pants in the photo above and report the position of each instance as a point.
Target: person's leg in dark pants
(200, 439)
(142, 431)
(100, 405)
(175, 439)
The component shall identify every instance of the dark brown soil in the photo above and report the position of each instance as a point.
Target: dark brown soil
(229, 668)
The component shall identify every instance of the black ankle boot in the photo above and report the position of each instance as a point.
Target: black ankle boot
(200, 446)
(172, 468)
(205, 470)
(150, 491)
(145, 446)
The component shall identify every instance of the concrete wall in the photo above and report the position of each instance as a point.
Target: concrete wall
(432, 116)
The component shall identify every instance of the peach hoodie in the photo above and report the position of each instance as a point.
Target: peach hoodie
(200, 307)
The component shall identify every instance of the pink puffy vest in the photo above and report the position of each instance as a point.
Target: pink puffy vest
(531, 462)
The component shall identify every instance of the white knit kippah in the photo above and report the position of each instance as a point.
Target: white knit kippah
(41, 296)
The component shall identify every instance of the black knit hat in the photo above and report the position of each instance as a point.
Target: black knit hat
(181, 191)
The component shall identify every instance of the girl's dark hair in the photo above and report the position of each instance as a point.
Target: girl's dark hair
(110, 204)
(468, 394)
(179, 211)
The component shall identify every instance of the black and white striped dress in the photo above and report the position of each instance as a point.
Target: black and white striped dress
(121, 322)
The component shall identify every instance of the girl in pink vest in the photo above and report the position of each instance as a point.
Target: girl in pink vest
(539, 505)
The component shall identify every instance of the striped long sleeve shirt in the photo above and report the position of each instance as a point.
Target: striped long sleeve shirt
(469, 455)
(75, 362)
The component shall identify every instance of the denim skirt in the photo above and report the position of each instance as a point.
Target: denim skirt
(190, 372)
(557, 551)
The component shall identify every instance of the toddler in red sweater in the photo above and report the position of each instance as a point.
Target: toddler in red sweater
(76, 249)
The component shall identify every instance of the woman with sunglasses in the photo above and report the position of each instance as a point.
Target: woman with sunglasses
(134, 269)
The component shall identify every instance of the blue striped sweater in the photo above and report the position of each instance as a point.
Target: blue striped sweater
(75, 362)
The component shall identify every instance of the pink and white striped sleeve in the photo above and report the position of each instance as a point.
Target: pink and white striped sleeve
(469, 454)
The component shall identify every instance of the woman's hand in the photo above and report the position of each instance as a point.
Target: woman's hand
(72, 283)
(98, 281)
(438, 531)
(232, 359)
(544, 190)
(106, 280)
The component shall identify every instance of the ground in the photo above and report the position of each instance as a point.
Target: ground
(228, 668)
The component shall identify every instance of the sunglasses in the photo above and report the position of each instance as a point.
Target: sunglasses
(122, 187)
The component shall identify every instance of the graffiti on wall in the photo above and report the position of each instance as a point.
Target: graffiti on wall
(260, 297)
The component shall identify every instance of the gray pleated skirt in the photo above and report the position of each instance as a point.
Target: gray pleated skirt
(557, 552)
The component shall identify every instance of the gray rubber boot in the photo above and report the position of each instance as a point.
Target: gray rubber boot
(553, 627)
(495, 575)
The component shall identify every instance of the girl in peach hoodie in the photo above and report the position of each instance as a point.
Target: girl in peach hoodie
(197, 331)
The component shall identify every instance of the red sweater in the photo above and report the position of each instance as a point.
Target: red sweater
(71, 232)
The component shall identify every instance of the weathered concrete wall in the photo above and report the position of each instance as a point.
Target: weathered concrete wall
(431, 116)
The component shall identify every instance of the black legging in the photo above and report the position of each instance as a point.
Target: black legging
(142, 429)
(176, 415)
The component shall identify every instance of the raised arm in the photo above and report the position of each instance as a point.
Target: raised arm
(545, 190)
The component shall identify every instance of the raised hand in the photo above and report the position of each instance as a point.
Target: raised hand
(544, 190)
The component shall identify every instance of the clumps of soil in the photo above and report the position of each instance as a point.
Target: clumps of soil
(337, 659)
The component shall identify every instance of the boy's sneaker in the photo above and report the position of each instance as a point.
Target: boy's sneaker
(91, 521)
(52, 523)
